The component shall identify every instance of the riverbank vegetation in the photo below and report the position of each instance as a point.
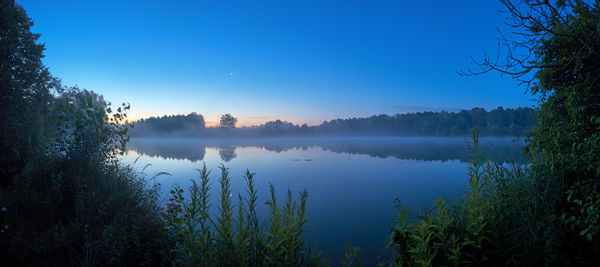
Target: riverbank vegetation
(65, 199)
(237, 236)
(548, 212)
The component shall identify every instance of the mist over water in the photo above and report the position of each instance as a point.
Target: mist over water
(503, 149)
(352, 181)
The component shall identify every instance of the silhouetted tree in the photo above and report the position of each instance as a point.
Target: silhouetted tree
(227, 121)
(63, 193)
(25, 91)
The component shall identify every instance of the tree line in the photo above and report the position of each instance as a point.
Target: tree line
(496, 122)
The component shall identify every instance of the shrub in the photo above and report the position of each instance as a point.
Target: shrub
(74, 203)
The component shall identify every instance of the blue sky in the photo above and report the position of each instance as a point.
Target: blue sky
(301, 61)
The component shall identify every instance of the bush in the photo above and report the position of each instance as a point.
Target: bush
(74, 203)
(506, 216)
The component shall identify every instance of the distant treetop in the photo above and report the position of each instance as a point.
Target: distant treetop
(227, 121)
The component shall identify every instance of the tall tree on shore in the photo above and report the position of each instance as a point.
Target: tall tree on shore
(25, 90)
(227, 121)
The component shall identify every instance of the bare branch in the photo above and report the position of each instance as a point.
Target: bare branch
(534, 22)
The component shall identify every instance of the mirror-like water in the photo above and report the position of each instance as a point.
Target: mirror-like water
(352, 182)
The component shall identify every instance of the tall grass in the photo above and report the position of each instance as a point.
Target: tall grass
(474, 229)
(235, 236)
(351, 256)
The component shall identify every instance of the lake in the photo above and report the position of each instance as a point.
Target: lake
(352, 181)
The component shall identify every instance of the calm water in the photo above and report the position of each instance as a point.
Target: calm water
(352, 182)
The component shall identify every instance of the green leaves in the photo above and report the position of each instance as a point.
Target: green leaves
(237, 240)
(583, 214)
(224, 223)
(454, 233)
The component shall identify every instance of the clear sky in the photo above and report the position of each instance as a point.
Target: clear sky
(300, 61)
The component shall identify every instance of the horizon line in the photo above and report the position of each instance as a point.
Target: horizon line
(215, 123)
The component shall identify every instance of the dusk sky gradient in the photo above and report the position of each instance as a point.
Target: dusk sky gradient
(300, 61)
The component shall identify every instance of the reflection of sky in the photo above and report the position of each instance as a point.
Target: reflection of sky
(350, 195)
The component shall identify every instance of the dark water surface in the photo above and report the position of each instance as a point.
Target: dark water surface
(352, 181)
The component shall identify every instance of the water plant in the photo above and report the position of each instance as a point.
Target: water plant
(453, 232)
(235, 236)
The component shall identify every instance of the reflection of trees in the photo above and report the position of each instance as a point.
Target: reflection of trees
(429, 149)
(168, 149)
(227, 153)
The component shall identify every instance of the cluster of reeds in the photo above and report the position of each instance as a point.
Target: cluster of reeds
(235, 236)
(462, 231)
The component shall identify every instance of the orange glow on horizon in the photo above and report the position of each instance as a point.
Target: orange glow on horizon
(214, 122)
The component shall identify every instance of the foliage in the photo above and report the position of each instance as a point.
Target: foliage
(74, 203)
(26, 88)
(496, 122)
(227, 121)
(87, 129)
(65, 198)
(565, 147)
(236, 237)
(494, 221)
(190, 124)
(547, 213)
(351, 256)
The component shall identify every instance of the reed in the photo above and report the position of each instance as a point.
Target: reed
(463, 231)
(236, 236)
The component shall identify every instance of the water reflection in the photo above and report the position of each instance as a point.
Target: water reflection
(428, 149)
(352, 181)
(167, 149)
(227, 153)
